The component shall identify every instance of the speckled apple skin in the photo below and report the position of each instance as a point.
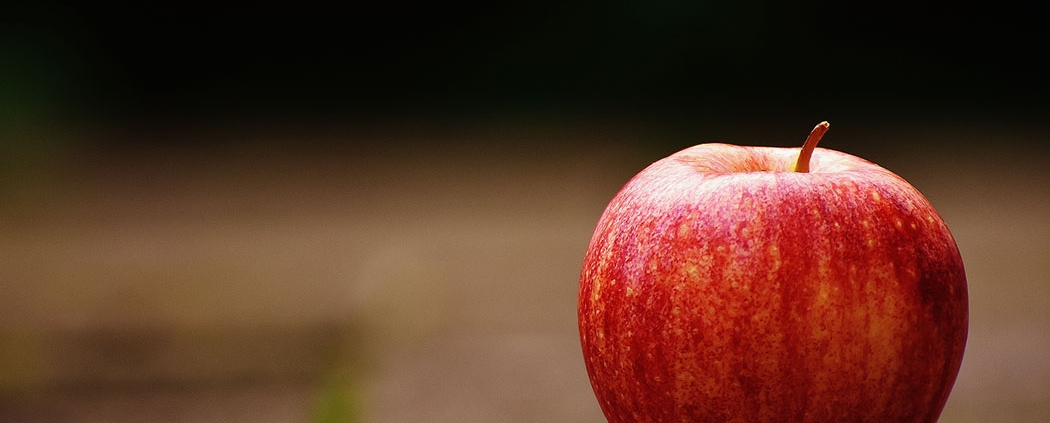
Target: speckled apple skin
(720, 286)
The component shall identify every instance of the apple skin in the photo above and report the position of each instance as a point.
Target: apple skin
(722, 286)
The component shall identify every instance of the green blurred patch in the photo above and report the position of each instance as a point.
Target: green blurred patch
(339, 398)
(39, 75)
(338, 402)
(38, 86)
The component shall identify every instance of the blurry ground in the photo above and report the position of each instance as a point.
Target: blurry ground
(417, 275)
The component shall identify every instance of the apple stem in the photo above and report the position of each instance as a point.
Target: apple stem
(811, 143)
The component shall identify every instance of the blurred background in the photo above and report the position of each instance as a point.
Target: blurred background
(377, 213)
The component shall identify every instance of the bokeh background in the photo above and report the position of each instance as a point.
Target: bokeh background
(377, 213)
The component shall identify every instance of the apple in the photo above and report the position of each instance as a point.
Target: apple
(756, 284)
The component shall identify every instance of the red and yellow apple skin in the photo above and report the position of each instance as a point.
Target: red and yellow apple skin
(720, 285)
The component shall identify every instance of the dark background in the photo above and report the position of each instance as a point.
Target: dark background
(378, 212)
(666, 59)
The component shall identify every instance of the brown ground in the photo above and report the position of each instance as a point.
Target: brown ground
(270, 281)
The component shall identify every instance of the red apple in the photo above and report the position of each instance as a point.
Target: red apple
(756, 284)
